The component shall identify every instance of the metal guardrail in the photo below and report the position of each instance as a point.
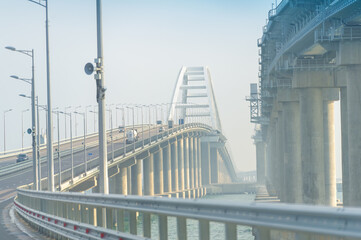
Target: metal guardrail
(342, 222)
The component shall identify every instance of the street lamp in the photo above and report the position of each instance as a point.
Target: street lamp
(30, 53)
(59, 160)
(133, 126)
(123, 121)
(38, 164)
(22, 129)
(50, 121)
(95, 113)
(71, 143)
(65, 118)
(6, 111)
(141, 108)
(84, 143)
(75, 122)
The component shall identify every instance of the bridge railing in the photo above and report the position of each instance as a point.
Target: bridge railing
(75, 214)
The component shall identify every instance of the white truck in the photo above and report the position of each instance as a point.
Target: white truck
(131, 136)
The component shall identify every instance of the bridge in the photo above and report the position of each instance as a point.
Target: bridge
(309, 52)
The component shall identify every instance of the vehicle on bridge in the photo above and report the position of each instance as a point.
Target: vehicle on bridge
(22, 157)
(121, 129)
(131, 136)
(161, 129)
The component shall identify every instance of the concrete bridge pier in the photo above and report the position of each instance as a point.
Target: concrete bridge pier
(214, 163)
(312, 146)
(148, 175)
(280, 155)
(181, 172)
(186, 164)
(167, 176)
(260, 160)
(292, 147)
(348, 57)
(329, 96)
(158, 172)
(344, 147)
(174, 165)
(136, 177)
(191, 165)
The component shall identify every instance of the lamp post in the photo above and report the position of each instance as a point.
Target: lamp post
(65, 119)
(59, 160)
(71, 143)
(133, 126)
(141, 109)
(50, 120)
(123, 121)
(30, 53)
(22, 129)
(84, 142)
(6, 111)
(75, 122)
(111, 131)
(95, 113)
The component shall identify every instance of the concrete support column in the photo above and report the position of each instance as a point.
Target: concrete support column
(181, 171)
(129, 179)
(292, 153)
(167, 176)
(195, 161)
(158, 172)
(280, 157)
(354, 132)
(174, 165)
(344, 147)
(206, 171)
(137, 178)
(260, 161)
(186, 163)
(312, 149)
(200, 183)
(190, 162)
(329, 153)
(148, 175)
(121, 179)
(214, 164)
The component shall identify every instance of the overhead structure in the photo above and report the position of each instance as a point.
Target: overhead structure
(193, 98)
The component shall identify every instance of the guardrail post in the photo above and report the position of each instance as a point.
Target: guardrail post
(99, 217)
(133, 222)
(231, 231)
(146, 225)
(109, 216)
(92, 216)
(203, 229)
(120, 220)
(148, 175)
(163, 227)
(182, 228)
(84, 214)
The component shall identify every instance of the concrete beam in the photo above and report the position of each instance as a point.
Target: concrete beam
(314, 79)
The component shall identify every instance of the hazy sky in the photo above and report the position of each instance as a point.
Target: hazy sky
(146, 42)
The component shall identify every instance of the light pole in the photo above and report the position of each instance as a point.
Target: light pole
(30, 53)
(149, 124)
(50, 119)
(75, 122)
(59, 160)
(111, 131)
(141, 108)
(22, 129)
(95, 113)
(65, 118)
(71, 143)
(123, 121)
(84, 142)
(133, 126)
(6, 111)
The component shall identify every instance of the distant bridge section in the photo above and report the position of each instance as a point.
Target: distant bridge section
(310, 56)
